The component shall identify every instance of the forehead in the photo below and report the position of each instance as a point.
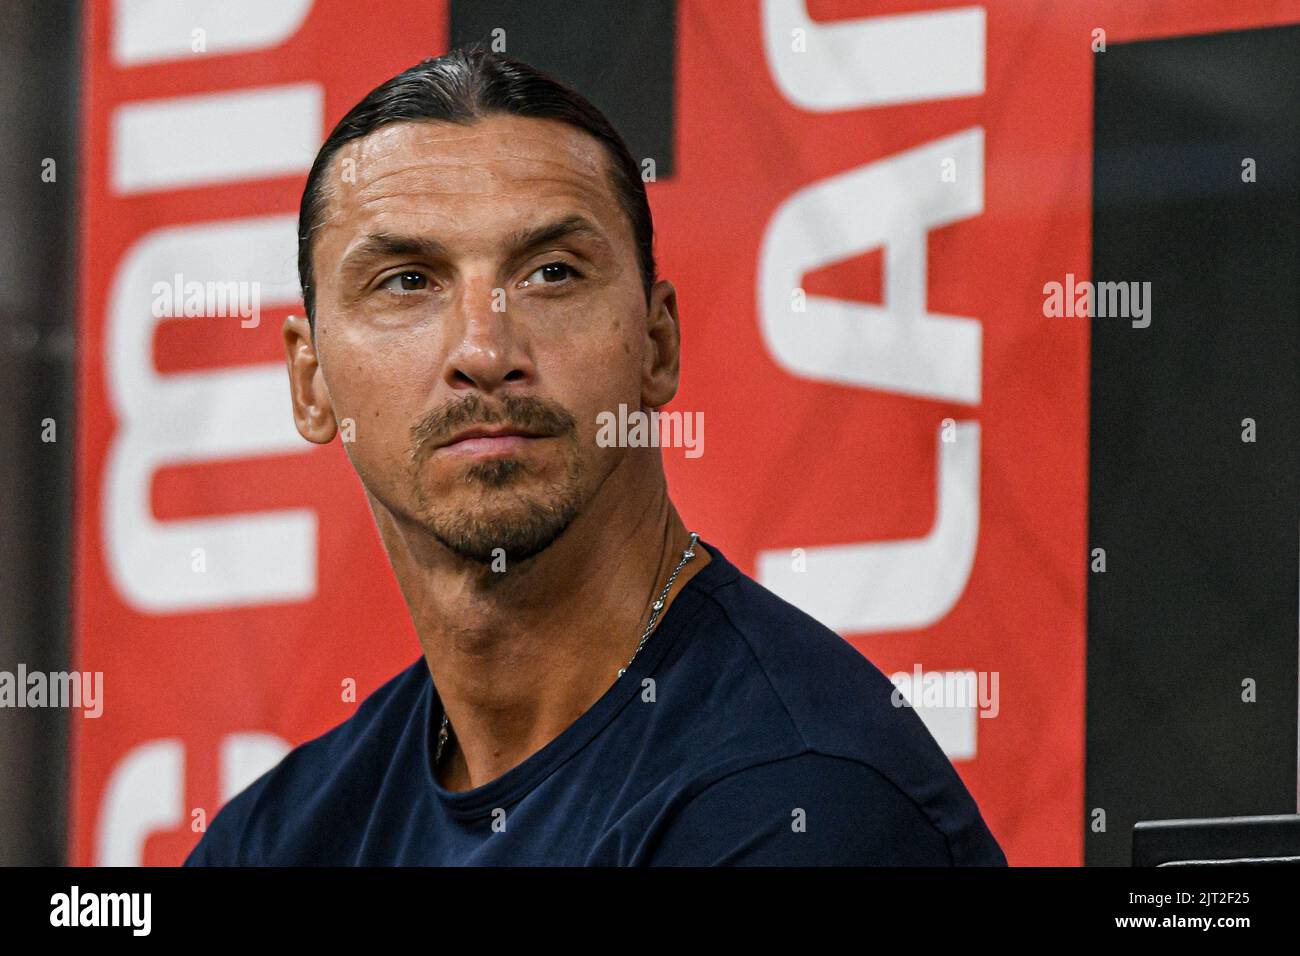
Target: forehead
(423, 175)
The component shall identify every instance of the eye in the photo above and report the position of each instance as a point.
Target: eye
(553, 273)
(409, 281)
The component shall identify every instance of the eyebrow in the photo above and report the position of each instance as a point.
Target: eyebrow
(383, 245)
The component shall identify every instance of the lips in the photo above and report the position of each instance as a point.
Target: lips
(489, 432)
(481, 441)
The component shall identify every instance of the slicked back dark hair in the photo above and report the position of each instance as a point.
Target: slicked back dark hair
(464, 86)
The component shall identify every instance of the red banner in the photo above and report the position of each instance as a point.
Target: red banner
(863, 212)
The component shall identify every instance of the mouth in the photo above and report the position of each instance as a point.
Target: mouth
(486, 442)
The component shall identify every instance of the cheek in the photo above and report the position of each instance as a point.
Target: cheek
(380, 391)
(595, 382)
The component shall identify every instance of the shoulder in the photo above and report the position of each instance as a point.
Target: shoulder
(809, 809)
(834, 700)
(834, 731)
(803, 810)
(323, 776)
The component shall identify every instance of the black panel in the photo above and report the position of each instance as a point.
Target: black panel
(40, 94)
(1273, 840)
(620, 56)
(1200, 528)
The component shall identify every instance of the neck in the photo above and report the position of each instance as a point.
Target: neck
(519, 655)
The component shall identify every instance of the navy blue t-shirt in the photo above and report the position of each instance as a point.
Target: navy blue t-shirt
(744, 732)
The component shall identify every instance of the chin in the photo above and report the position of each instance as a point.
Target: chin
(515, 533)
(500, 508)
(484, 520)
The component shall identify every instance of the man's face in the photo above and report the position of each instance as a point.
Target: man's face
(441, 307)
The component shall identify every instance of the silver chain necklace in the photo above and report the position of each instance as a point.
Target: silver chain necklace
(655, 608)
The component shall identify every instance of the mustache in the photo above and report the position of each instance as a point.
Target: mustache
(526, 413)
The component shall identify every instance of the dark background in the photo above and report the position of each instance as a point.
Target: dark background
(1200, 528)
(39, 92)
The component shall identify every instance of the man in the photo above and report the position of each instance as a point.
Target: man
(598, 686)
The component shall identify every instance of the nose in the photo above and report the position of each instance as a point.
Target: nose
(488, 351)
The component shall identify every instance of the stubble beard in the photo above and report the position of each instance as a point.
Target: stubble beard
(509, 522)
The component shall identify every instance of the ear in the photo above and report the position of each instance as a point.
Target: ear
(312, 411)
(659, 376)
